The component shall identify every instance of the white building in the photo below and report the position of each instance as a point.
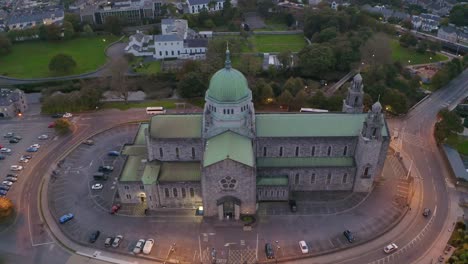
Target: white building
(32, 18)
(453, 34)
(196, 6)
(176, 41)
(425, 22)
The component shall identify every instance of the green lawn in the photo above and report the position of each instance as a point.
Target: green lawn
(122, 106)
(153, 67)
(459, 143)
(278, 43)
(31, 59)
(404, 55)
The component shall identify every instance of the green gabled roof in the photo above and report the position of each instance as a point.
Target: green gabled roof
(134, 150)
(228, 145)
(176, 126)
(133, 169)
(306, 162)
(180, 172)
(311, 125)
(228, 85)
(273, 181)
(151, 172)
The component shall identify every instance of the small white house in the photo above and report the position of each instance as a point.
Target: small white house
(140, 45)
(195, 6)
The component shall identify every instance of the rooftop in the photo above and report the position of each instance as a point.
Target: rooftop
(180, 172)
(228, 145)
(201, 2)
(273, 181)
(311, 125)
(164, 38)
(176, 126)
(151, 172)
(305, 162)
(133, 169)
(456, 163)
(140, 138)
(134, 150)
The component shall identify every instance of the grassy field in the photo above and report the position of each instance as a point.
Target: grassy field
(31, 59)
(278, 43)
(459, 143)
(404, 55)
(123, 106)
(150, 68)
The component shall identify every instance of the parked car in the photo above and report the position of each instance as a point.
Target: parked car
(94, 236)
(35, 146)
(7, 183)
(16, 167)
(27, 156)
(2, 157)
(43, 137)
(5, 150)
(138, 246)
(4, 187)
(113, 153)
(23, 160)
(88, 142)
(31, 149)
(349, 236)
(304, 247)
(14, 140)
(115, 208)
(97, 186)
(65, 218)
(17, 137)
(12, 179)
(12, 175)
(293, 206)
(108, 241)
(51, 125)
(9, 135)
(3, 192)
(105, 168)
(117, 240)
(67, 115)
(426, 212)
(269, 251)
(390, 248)
(57, 115)
(148, 246)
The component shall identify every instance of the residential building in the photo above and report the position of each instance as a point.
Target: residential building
(229, 158)
(176, 41)
(12, 102)
(28, 18)
(453, 34)
(425, 22)
(195, 6)
(386, 13)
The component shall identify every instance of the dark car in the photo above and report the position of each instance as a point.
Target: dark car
(426, 212)
(14, 140)
(293, 205)
(269, 251)
(4, 187)
(3, 192)
(17, 138)
(105, 168)
(113, 153)
(57, 115)
(349, 236)
(94, 236)
(2, 157)
(12, 175)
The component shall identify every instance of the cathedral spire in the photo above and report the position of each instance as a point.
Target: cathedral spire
(227, 63)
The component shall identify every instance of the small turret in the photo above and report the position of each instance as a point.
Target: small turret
(354, 100)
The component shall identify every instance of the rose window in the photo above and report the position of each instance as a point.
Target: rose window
(228, 183)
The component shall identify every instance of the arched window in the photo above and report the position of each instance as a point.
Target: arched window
(374, 131)
(177, 152)
(329, 151)
(296, 179)
(329, 178)
(264, 151)
(174, 192)
(183, 193)
(312, 178)
(192, 192)
(281, 152)
(345, 151)
(160, 152)
(356, 99)
(345, 178)
(193, 153)
(297, 151)
(366, 172)
(313, 151)
(224, 111)
(166, 192)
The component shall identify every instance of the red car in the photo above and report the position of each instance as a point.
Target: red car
(51, 125)
(115, 208)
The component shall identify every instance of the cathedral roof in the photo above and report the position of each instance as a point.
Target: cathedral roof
(228, 145)
(176, 126)
(228, 84)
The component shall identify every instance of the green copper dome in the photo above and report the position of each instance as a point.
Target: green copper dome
(228, 84)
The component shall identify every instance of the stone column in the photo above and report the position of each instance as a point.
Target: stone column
(236, 211)
(220, 212)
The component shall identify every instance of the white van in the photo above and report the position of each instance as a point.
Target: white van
(148, 246)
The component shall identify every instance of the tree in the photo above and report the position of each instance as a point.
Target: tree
(408, 40)
(459, 15)
(88, 31)
(250, 65)
(285, 58)
(68, 31)
(264, 6)
(377, 50)
(53, 32)
(62, 64)
(294, 85)
(300, 99)
(74, 19)
(325, 35)
(285, 98)
(112, 24)
(119, 79)
(449, 124)
(191, 86)
(290, 20)
(62, 126)
(5, 45)
(314, 60)
(6, 208)
(422, 46)
(262, 92)
(91, 92)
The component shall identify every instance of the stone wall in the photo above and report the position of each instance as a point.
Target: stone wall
(176, 149)
(130, 192)
(305, 145)
(180, 194)
(306, 181)
(244, 188)
(272, 193)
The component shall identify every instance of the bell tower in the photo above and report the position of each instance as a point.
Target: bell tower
(353, 103)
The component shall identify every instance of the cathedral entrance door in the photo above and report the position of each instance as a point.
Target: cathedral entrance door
(228, 208)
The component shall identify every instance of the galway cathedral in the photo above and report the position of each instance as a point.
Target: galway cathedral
(229, 158)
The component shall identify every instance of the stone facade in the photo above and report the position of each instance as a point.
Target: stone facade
(187, 149)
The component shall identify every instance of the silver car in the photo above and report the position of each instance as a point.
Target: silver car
(139, 245)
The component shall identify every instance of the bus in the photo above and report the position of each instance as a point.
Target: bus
(156, 110)
(313, 110)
